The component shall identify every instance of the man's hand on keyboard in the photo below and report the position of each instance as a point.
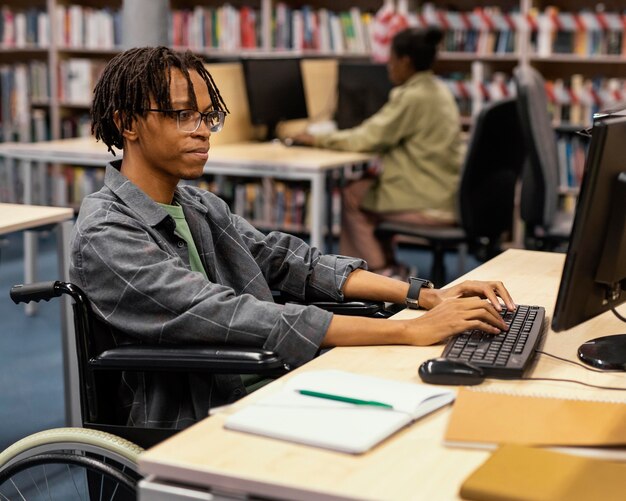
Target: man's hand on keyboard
(472, 288)
(455, 315)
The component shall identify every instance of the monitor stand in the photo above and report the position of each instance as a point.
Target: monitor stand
(607, 352)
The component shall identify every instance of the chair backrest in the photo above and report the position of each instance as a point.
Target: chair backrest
(539, 198)
(492, 166)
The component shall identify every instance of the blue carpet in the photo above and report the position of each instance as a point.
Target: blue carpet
(31, 377)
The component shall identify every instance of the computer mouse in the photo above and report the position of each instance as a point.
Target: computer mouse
(452, 372)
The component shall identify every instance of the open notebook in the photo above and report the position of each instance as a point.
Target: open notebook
(338, 425)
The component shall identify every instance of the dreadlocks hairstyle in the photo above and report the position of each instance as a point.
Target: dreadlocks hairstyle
(132, 78)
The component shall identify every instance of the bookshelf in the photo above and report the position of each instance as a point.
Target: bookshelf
(51, 53)
(483, 43)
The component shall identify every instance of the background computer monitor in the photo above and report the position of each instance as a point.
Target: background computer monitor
(275, 91)
(594, 276)
(362, 89)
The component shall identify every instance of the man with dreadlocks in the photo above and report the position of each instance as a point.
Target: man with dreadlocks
(171, 264)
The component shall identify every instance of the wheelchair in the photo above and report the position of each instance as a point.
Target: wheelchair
(99, 461)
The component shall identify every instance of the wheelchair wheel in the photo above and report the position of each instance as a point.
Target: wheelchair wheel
(69, 464)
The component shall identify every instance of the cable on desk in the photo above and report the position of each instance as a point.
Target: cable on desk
(559, 380)
(572, 381)
(592, 369)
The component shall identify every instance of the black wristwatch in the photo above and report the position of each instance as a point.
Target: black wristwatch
(415, 287)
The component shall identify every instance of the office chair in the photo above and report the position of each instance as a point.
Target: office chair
(101, 364)
(546, 227)
(486, 193)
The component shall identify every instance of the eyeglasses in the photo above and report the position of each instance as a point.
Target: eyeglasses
(189, 120)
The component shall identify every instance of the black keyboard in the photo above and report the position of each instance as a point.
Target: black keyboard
(505, 355)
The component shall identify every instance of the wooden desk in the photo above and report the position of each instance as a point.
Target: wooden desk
(413, 464)
(18, 217)
(250, 159)
(294, 163)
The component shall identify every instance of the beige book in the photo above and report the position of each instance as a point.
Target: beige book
(481, 418)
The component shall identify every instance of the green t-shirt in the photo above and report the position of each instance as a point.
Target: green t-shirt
(183, 231)
(251, 381)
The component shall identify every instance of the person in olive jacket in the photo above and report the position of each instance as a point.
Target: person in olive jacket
(417, 136)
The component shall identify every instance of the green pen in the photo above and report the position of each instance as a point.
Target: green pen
(348, 400)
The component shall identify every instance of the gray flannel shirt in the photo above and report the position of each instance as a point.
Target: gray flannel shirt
(135, 270)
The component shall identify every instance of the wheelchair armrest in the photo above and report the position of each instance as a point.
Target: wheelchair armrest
(236, 360)
(358, 308)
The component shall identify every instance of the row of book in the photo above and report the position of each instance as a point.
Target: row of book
(24, 28)
(482, 30)
(79, 27)
(489, 30)
(26, 84)
(69, 184)
(585, 33)
(88, 28)
(229, 28)
(572, 100)
(74, 125)
(225, 27)
(76, 79)
(39, 81)
(15, 111)
(322, 30)
(577, 99)
(266, 202)
(11, 182)
(61, 186)
(467, 92)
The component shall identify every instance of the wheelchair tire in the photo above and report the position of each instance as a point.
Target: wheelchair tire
(69, 463)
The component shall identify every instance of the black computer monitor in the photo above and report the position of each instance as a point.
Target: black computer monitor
(275, 91)
(594, 276)
(362, 89)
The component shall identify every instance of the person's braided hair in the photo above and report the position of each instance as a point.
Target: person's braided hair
(132, 78)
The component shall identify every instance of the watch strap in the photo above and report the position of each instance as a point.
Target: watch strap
(415, 287)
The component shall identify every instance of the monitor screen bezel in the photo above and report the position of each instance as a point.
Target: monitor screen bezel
(580, 296)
